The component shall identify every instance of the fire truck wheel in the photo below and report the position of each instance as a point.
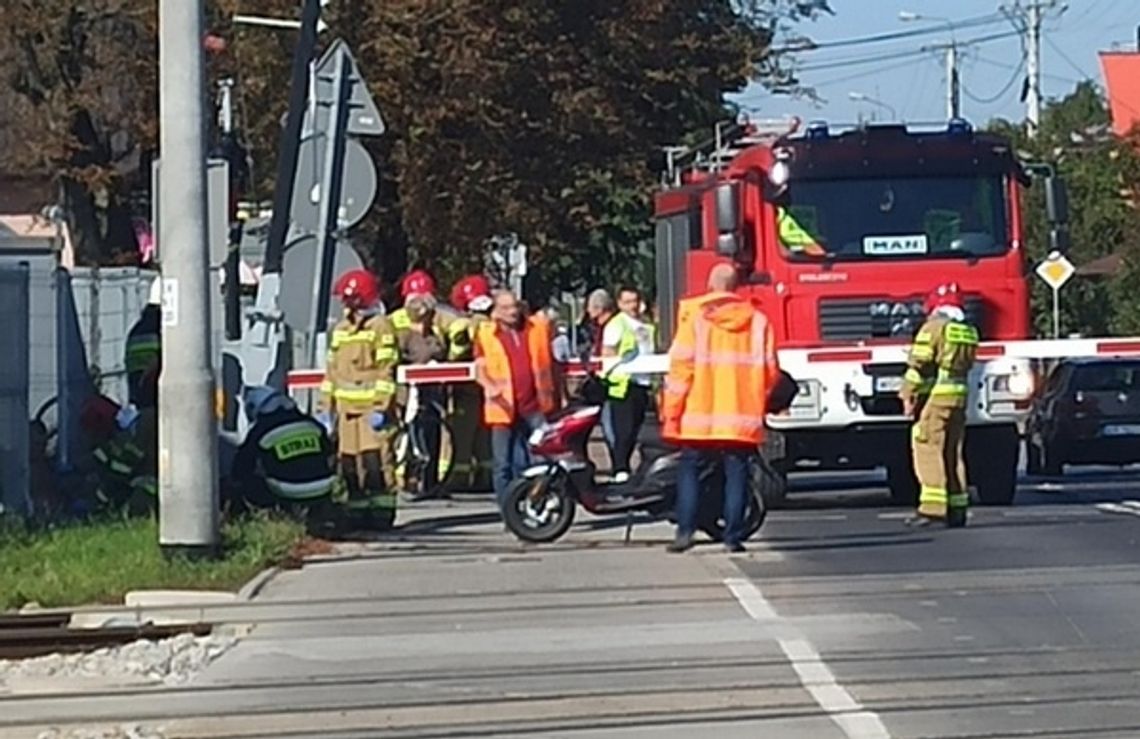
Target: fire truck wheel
(902, 482)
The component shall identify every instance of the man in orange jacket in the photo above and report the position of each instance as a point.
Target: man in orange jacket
(515, 367)
(722, 365)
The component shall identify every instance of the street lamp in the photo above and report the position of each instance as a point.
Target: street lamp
(953, 98)
(865, 98)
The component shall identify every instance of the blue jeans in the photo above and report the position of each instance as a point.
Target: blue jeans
(510, 454)
(734, 462)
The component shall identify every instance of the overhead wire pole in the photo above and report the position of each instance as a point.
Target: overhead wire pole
(1027, 19)
(953, 97)
(187, 449)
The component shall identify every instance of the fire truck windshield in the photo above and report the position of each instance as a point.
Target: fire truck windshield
(893, 218)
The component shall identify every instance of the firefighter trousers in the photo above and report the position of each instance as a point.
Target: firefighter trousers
(938, 445)
(471, 460)
(367, 458)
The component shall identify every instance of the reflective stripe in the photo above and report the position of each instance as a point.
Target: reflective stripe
(355, 395)
(961, 333)
(341, 337)
(387, 355)
(676, 387)
(327, 387)
(930, 495)
(958, 500)
(948, 385)
(740, 421)
(385, 387)
(921, 353)
(291, 440)
(730, 359)
(680, 353)
(381, 500)
(301, 490)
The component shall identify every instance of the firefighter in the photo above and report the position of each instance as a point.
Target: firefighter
(794, 237)
(421, 341)
(471, 459)
(144, 342)
(934, 394)
(358, 391)
(286, 457)
(125, 473)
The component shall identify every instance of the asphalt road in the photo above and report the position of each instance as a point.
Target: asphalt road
(840, 622)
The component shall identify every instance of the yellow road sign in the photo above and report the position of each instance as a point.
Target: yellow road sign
(1056, 270)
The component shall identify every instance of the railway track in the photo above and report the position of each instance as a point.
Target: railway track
(38, 634)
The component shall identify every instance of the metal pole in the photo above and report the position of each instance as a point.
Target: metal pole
(187, 457)
(330, 204)
(1056, 313)
(953, 101)
(232, 267)
(290, 140)
(1033, 68)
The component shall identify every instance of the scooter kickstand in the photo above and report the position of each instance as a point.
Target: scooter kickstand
(628, 527)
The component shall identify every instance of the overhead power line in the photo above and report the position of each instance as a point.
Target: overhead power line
(975, 22)
(874, 58)
(1000, 93)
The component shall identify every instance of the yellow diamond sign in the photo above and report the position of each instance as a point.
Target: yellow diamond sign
(1056, 270)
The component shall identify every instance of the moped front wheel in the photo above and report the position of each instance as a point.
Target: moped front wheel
(539, 509)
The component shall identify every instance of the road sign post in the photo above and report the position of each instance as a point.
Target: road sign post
(1055, 271)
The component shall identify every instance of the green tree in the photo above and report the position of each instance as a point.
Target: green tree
(80, 100)
(1099, 170)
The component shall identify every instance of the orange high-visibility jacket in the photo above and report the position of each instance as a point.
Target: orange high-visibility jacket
(493, 370)
(722, 365)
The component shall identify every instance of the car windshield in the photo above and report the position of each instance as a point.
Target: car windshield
(892, 218)
(1112, 378)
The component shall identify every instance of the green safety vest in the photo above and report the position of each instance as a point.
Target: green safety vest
(792, 235)
(618, 378)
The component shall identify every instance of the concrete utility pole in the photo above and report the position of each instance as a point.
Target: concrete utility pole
(1033, 67)
(187, 456)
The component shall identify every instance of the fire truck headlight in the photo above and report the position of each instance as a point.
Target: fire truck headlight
(1016, 384)
(779, 173)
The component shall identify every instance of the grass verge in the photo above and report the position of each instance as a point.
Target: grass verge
(100, 561)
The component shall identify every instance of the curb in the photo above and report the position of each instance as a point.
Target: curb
(257, 583)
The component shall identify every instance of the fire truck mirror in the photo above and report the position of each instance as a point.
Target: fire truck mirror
(1056, 201)
(728, 208)
(727, 245)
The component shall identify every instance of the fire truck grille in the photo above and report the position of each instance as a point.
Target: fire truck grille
(860, 319)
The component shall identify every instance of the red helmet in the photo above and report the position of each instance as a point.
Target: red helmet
(98, 416)
(945, 295)
(417, 282)
(357, 288)
(471, 288)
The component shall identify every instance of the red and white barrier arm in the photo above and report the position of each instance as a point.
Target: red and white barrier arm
(656, 364)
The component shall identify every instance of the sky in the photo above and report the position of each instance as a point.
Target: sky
(912, 82)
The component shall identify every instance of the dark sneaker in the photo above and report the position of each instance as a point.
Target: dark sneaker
(735, 548)
(956, 519)
(680, 544)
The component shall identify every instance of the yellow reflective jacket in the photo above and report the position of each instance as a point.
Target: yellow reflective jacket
(361, 366)
(939, 363)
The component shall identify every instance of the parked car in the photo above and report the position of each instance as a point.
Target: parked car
(1088, 412)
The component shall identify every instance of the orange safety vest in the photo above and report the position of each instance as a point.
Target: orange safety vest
(493, 370)
(721, 366)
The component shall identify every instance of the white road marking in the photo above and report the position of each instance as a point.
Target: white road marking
(1127, 507)
(813, 673)
(895, 515)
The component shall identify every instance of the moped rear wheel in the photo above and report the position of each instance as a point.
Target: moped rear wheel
(539, 509)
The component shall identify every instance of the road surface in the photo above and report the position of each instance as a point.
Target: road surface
(839, 622)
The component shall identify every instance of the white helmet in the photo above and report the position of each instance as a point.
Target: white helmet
(155, 295)
(261, 400)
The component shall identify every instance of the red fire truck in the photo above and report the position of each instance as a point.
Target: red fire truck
(838, 237)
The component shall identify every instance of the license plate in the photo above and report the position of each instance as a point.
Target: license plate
(888, 384)
(1125, 429)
